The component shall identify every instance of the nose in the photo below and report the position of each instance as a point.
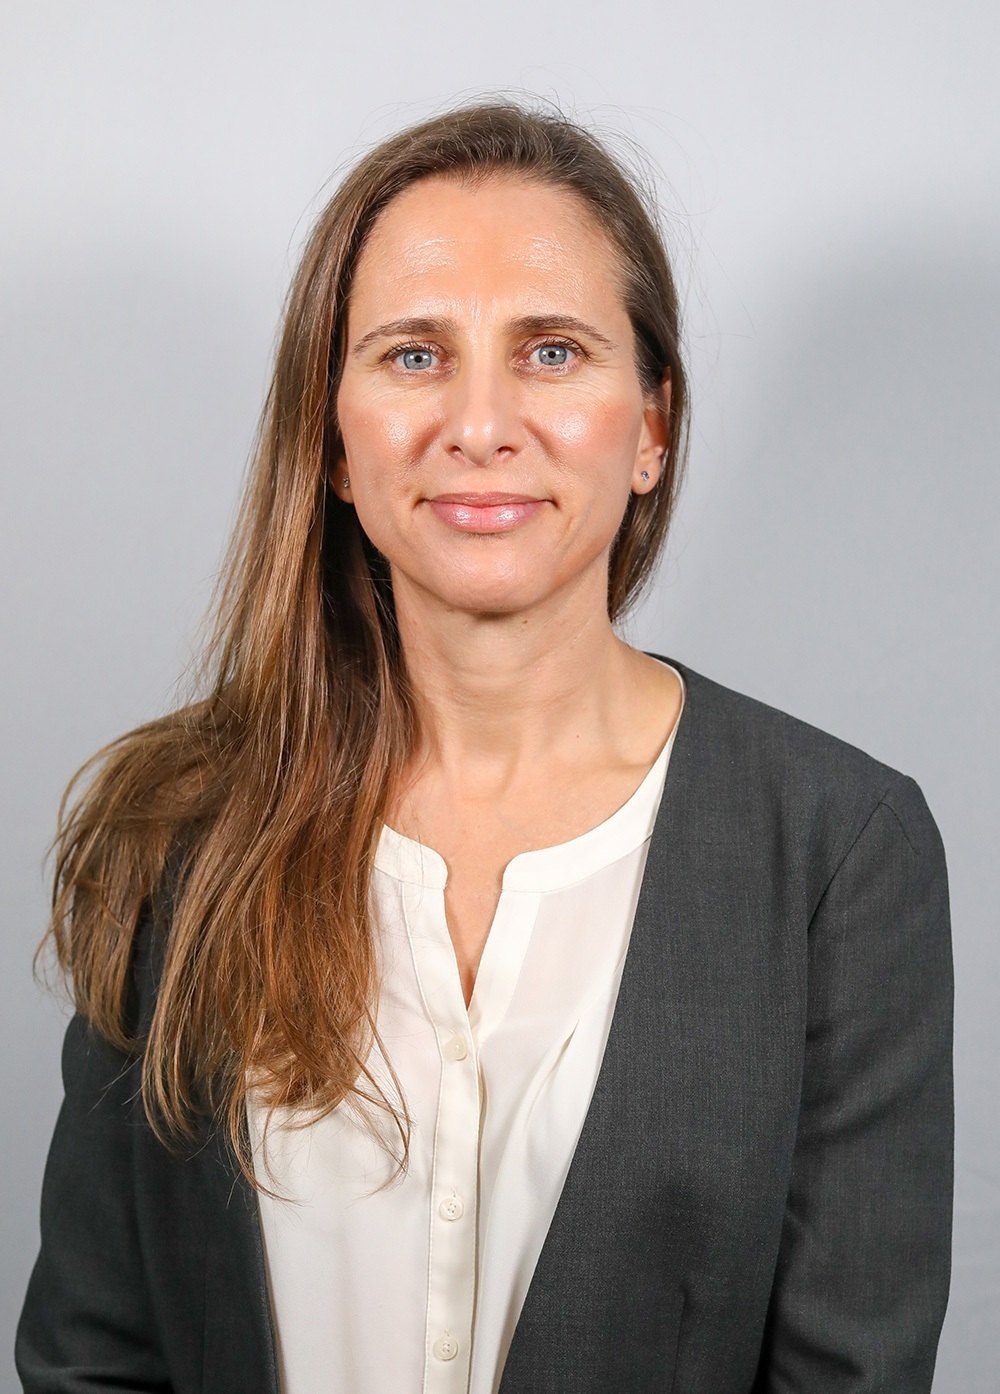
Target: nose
(482, 415)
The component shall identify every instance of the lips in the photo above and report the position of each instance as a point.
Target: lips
(484, 500)
(485, 512)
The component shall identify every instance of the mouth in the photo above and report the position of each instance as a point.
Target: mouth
(492, 512)
(484, 500)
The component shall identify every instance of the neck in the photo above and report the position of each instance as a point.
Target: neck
(501, 698)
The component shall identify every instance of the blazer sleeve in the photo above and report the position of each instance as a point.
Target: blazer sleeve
(86, 1324)
(864, 1264)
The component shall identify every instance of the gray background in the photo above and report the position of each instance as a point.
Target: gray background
(831, 175)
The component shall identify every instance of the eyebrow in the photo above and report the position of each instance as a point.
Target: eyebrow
(525, 324)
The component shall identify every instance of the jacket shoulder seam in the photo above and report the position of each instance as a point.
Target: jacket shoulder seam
(902, 826)
(842, 859)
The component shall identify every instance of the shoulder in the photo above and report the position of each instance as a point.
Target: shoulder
(770, 764)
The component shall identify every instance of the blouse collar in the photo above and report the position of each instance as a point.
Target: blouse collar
(546, 868)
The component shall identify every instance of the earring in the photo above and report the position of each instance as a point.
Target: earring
(347, 482)
(645, 474)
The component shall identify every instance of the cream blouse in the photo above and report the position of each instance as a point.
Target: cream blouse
(416, 1288)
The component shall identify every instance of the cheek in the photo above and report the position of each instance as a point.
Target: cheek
(598, 430)
(399, 434)
(380, 430)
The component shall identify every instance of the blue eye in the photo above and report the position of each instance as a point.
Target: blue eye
(416, 358)
(553, 355)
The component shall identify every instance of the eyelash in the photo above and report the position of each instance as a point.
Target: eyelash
(392, 353)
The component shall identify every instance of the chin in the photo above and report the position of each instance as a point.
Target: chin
(493, 607)
(491, 597)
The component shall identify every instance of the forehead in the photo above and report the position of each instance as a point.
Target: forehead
(503, 239)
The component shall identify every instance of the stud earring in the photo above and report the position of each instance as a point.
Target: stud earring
(347, 482)
(645, 474)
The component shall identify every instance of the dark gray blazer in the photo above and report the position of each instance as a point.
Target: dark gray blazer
(761, 1196)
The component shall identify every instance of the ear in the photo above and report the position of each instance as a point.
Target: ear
(654, 438)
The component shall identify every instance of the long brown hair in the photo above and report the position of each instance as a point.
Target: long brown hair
(265, 795)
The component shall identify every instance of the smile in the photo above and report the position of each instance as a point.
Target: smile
(489, 517)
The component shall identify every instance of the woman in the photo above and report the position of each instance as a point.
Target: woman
(466, 1000)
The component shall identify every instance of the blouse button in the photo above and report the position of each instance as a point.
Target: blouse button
(445, 1348)
(456, 1048)
(451, 1208)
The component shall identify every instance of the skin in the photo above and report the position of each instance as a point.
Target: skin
(537, 721)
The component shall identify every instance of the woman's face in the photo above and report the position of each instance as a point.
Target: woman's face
(489, 352)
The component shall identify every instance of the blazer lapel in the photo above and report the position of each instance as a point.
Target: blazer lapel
(657, 1189)
(202, 1225)
(240, 1351)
